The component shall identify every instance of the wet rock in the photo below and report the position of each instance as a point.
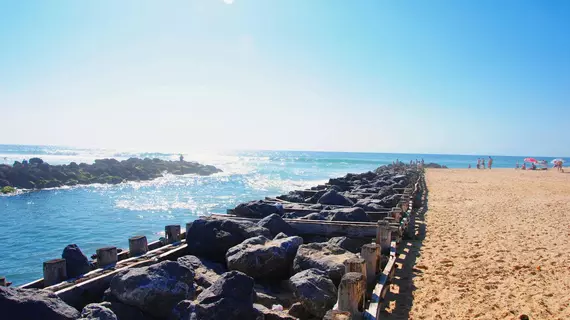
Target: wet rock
(316, 292)
(211, 239)
(323, 256)
(263, 258)
(205, 272)
(155, 289)
(276, 225)
(96, 311)
(231, 297)
(332, 197)
(76, 262)
(32, 304)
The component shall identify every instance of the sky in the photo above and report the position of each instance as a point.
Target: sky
(462, 77)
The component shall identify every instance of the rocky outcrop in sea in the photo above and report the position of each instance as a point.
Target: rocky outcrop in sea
(37, 174)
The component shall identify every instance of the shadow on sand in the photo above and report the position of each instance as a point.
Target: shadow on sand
(399, 299)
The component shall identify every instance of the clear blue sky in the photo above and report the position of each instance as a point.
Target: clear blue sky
(484, 77)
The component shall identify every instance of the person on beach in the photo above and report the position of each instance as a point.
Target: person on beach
(478, 163)
(482, 163)
(523, 166)
(469, 167)
(490, 162)
(517, 166)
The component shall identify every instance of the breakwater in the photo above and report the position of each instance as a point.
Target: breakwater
(37, 174)
(304, 238)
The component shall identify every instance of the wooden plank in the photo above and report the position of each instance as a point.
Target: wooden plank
(379, 291)
(320, 227)
(77, 294)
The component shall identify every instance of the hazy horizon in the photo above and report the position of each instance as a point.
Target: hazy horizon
(441, 77)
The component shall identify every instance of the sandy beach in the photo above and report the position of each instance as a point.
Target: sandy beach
(497, 245)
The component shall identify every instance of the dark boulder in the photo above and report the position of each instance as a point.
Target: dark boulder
(347, 214)
(76, 262)
(296, 214)
(316, 196)
(256, 209)
(276, 225)
(155, 289)
(263, 258)
(205, 272)
(230, 297)
(125, 311)
(315, 216)
(211, 239)
(351, 244)
(96, 311)
(323, 256)
(33, 304)
(316, 292)
(332, 197)
(292, 197)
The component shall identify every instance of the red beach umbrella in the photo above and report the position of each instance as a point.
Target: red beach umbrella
(533, 160)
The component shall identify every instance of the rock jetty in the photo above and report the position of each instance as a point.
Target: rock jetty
(37, 174)
(234, 267)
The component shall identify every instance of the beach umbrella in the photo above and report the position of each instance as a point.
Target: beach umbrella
(533, 160)
(557, 160)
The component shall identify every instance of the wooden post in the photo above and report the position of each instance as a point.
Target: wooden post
(188, 225)
(351, 294)
(55, 271)
(383, 236)
(371, 255)
(106, 256)
(172, 233)
(138, 245)
(337, 315)
(411, 230)
(356, 265)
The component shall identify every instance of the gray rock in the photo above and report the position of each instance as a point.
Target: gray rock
(96, 311)
(298, 311)
(323, 256)
(263, 258)
(256, 209)
(269, 314)
(205, 272)
(32, 304)
(155, 289)
(316, 292)
(211, 239)
(276, 225)
(76, 262)
(315, 216)
(280, 235)
(231, 297)
(350, 244)
(347, 214)
(125, 312)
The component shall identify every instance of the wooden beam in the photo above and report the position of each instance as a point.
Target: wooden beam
(319, 227)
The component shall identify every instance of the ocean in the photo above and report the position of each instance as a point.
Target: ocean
(36, 226)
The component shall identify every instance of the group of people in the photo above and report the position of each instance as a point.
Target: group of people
(481, 163)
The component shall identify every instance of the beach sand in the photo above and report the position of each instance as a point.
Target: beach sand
(497, 245)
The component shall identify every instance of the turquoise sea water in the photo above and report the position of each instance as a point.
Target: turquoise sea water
(36, 226)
